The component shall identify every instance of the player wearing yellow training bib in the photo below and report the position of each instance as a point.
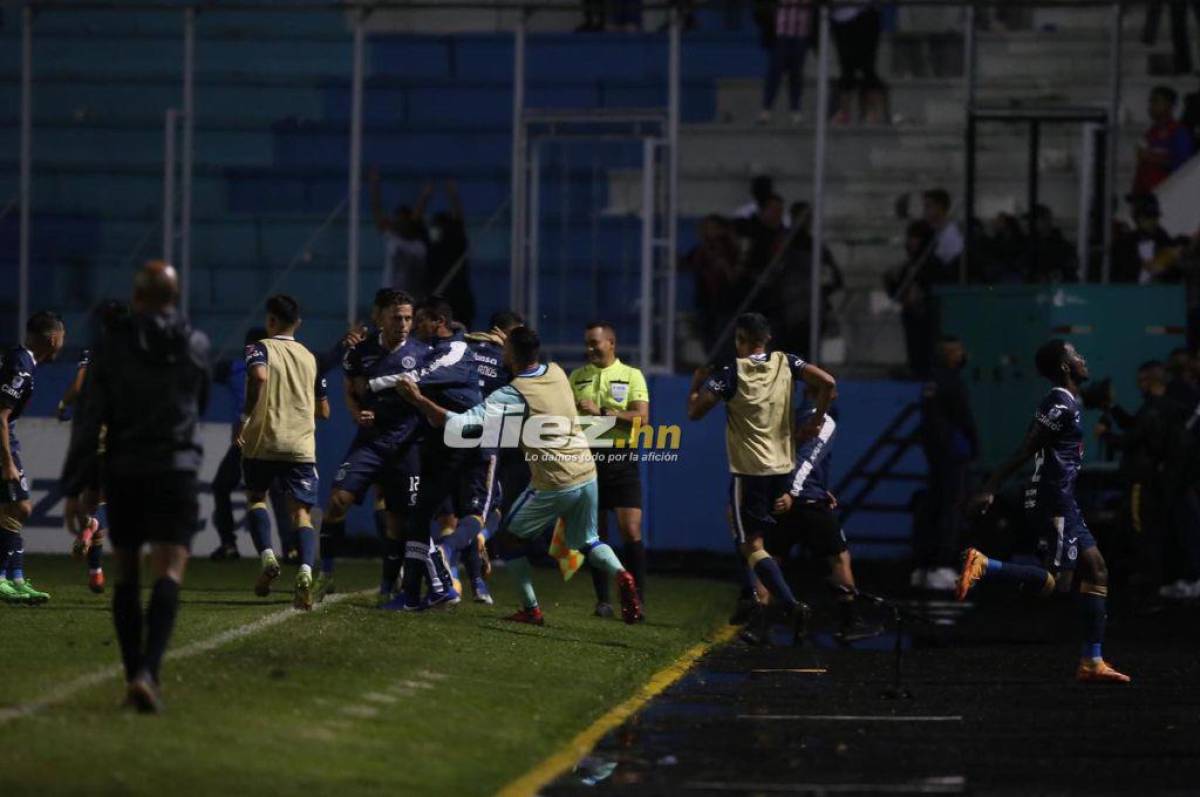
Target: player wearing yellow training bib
(760, 441)
(285, 394)
(608, 388)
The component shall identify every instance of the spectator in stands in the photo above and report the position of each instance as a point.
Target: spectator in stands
(762, 188)
(763, 234)
(793, 26)
(832, 279)
(626, 15)
(1165, 146)
(1181, 46)
(909, 285)
(716, 270)
(856, 30)
(593, 16)
(1147, 253)
(449, 273)
(786, 299)
(406, 242)
(948, 245)
(999, 251)
(950, 441)
(1050, 258)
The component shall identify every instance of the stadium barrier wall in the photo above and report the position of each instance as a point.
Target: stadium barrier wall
(685, 499)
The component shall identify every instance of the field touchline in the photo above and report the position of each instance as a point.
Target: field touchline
(72, 688)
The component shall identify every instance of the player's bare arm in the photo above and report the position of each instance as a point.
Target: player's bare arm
(1032, 443)
(72, 393)
(433, 413)
(824, 389)
(256, 378)
(701, 400)
(352, 387)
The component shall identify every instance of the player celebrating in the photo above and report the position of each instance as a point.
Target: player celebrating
(563, 474)
(807, 513)
(1055, 443)
(284, 397)
(760, 443)
(385, 448)
(44, 335)
(608, 387)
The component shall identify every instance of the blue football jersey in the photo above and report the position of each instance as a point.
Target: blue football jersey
(1056, 466)
(371, 359)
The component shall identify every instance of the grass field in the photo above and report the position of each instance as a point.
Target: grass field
(346, 700)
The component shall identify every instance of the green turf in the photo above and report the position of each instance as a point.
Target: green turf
(347, 700)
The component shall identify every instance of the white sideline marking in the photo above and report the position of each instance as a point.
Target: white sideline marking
(72, 688)
(849, 718)
(950, 784)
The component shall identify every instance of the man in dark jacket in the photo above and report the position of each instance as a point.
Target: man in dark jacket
(950, 441)
(148, 386)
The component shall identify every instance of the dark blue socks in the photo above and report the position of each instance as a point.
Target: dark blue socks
(307, 537)
(1092, 616)
(771, 576)
(258, 523)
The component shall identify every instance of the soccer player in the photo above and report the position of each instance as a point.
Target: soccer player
(512, 472)
(465, 475)
(760, 442)
(563, 475)
(285, 395)
(1055, 443)
(86, 512)
(44, 334)
(385, 448)
(607, 387)
(807, 513)
(229, 476)
(147, 387)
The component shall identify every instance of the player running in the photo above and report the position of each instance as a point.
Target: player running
(1055, 443)
(807, 513)
(285, 395)
(607, 387)
(385, 449)
(563, 474)
(760, 442)
(44, 335)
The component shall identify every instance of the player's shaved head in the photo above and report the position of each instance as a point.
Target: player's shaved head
(507, 320)
(523, 347)
(155, 286)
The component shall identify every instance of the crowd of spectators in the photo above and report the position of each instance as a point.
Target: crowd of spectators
(426, 256)
(760, 253)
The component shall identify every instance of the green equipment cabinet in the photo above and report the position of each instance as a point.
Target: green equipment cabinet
(1115, 327)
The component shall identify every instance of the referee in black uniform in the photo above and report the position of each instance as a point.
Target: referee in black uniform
(149, 385)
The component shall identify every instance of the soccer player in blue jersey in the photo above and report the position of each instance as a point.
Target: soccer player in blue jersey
(1055, 444)
(385, 449)
(44, 335)
(84, 511)
(464, 475)
(807, 514)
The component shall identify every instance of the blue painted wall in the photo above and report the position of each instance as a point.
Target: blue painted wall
(685, 500)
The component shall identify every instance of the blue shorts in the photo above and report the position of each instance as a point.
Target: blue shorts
(396, 467)
(16, 491)
(299, 479)
(1062, 537)
(535, 512)
(752, 504)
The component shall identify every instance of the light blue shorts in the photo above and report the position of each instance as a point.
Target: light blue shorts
(535, 511)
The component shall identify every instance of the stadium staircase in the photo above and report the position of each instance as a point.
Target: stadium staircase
(273, 98)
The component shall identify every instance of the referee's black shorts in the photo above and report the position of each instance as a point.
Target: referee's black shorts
(159, 508)
(617, 480)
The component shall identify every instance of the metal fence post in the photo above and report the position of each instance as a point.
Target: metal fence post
(26, 188)
(356, 124)
(818, 200)
(189, 125)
